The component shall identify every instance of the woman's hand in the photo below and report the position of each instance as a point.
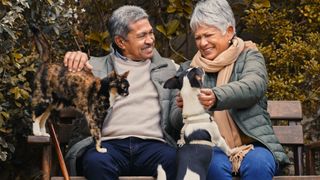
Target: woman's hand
(207, 98)
(76, 61)
(179, 100)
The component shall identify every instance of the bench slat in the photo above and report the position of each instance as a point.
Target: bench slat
(38, 139)
(289, 134)
(285, 110)
(120, 178)
(150, 178)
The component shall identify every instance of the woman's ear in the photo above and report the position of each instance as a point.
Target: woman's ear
(230, 32)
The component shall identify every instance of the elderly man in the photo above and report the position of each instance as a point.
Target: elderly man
(136, 131)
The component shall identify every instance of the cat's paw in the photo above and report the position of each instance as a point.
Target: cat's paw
(37, 133)
(45, 134)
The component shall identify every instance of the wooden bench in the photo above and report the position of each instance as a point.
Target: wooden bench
(285, 115)
(311, 150)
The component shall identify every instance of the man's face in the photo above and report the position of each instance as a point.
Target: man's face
(140, 41)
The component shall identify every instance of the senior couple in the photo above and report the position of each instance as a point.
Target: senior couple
(140, 131)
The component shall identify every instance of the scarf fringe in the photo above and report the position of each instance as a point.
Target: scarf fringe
(237, 156)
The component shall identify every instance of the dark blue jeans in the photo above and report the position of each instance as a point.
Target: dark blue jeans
(259, 163)
(130, 156)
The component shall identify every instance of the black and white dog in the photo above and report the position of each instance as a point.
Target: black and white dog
(199, 133)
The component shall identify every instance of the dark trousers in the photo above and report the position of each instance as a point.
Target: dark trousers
(127, 157)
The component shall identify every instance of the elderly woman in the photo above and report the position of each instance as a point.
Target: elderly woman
(234, 90)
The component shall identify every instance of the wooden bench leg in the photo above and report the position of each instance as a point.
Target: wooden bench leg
(298, 165)
(46, 162)
(310, 169)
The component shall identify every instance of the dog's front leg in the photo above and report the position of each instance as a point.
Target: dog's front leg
(218, 140)
(182, 141)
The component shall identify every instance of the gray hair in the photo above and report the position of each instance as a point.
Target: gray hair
(122, 17)
(217, 13)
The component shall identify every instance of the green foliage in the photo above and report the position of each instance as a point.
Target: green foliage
(291, 49)
(287, 33)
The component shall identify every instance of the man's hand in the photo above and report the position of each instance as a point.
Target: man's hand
(76, 61)
(207, 98)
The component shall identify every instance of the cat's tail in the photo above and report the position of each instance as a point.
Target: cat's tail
(41, 43)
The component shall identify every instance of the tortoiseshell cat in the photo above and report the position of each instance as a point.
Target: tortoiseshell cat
(56, 87)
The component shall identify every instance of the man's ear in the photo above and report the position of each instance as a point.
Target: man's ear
(119, 42)
(172, 83)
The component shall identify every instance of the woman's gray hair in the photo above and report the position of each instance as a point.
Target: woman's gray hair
(217, 13)
(122, 17)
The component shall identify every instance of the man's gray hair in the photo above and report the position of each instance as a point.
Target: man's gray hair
(122, 17)
(217, 13)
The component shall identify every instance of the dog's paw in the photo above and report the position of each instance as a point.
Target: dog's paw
(181, 142)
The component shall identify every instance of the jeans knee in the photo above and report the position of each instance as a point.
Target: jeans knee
(258, 163)
(98, 168)
(169, 163)
(220, 166)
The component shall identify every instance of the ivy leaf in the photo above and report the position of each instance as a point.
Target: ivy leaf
(11, 33)
(5, 115)
(17, 55)
(188, 10)
(3, 143)
(6, 2)
(3, 155)
(171, 9)
(95, 36)
(172, 27)
(50, 2)
(104, 35)
(11, 147)
(16, 92)
(24, 93)
(161, 29)
(105, 47)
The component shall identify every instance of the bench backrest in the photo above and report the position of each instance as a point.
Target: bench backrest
(286, 117)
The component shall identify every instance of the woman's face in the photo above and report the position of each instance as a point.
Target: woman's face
(211, 42)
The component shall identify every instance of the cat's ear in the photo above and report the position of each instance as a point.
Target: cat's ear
(112, 74)
(172, 83)
(125, 75)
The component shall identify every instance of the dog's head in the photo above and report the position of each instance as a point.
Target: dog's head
(194, 75)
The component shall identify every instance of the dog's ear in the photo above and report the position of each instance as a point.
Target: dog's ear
(172, 83)
(195, 77)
